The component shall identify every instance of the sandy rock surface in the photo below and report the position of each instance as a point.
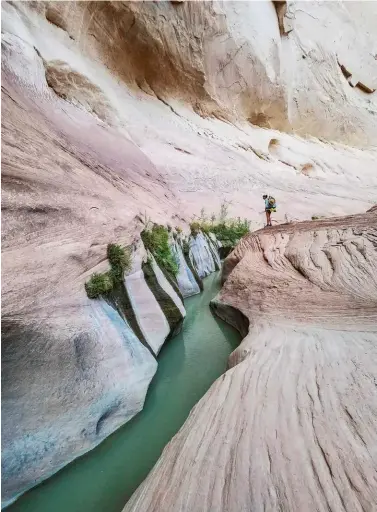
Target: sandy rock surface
(293, 424)
(280, 65)
(74, 55)
(116, 112)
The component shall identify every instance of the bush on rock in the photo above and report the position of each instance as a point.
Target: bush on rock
(156, 240)
(228, 230)
(98, 284)
(101, 284)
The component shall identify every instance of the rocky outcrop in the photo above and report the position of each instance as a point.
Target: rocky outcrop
(73, 86)
(198, 256)
(118, 338)
(292, 425)
(215, 57)
(203, 256)
(69, 62)
(93, 373)
(113, 112)
(65, 390)
(186, 280)
(149, 315)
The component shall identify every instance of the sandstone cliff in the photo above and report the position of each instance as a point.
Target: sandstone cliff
(92, 375)
(162, 73)
(115, 111)
(292, 425)
(277, 64)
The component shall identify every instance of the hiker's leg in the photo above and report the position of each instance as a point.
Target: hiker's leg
(268, 213)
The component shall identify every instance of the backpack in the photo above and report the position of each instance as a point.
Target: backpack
(271, 202)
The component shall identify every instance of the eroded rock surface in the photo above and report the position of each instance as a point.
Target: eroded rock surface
(186, 280)
(217, 57)
(201, 255)
(293, 424)
(113, 112)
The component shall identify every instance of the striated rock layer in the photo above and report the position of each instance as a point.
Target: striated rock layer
(93, 374)
(293, 424)
(119, 112)
(161, 74)
(279, 65)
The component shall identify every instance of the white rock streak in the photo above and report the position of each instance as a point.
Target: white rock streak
(148, 312)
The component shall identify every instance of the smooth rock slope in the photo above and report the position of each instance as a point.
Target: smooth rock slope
(293, 424)
(117, 112)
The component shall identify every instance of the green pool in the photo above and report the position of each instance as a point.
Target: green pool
(104, 479)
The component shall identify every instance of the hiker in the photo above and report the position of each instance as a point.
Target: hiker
(269, 207)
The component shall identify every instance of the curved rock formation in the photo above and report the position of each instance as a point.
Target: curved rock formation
(198, 256)
(292, 74)
(96, 372)
(292, 425)
(187, 283)
(103, 58)
(202, 256)
(66, 389)
(113, 112)
(76, 88)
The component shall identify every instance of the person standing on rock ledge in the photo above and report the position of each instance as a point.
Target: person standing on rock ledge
(269, 207)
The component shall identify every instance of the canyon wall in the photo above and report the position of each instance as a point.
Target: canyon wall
(276, 64)
(116, 112)
(64, 391)
(292, 424)
(148, 73)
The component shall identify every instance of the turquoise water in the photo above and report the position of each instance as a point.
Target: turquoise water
(104, 479)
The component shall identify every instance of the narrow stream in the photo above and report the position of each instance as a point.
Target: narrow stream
(105, 478)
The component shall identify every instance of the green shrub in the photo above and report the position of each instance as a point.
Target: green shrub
(195, 228)
(98, 284)
(206, 227)
(315, 217)
(231, 231)
(156, 240)
(120, 261)
(228, 231)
